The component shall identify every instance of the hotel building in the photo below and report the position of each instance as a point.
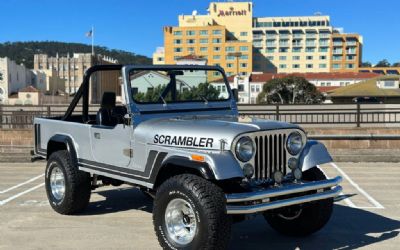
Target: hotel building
(229, 36)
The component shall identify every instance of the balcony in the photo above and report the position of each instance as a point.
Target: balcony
(324, 35)
(351, 51)
(298, 36)
(351, 43)
(337, 52)
(271, 36)
(284, 45)
(297, 44)
(324, 44)
(271, 45)
(337, 43)
(257, 36)
(284, 36)
(257, 45)
(311, 36)
(311, 44)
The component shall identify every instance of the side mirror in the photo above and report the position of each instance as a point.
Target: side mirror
(235, 94)
(127, 119)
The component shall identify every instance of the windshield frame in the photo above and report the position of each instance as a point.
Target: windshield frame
(222, 79)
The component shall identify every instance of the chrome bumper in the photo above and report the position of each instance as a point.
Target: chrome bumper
(259, 201)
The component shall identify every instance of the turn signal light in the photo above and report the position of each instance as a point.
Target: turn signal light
(199, 158)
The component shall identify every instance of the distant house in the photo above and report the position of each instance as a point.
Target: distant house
(26, 96)
(384, 88)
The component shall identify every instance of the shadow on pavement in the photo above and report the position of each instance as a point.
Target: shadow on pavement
(348, 228)
(117, 200)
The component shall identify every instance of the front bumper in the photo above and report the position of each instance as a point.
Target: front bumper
(272, 198)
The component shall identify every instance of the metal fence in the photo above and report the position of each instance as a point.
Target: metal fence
(328, 114)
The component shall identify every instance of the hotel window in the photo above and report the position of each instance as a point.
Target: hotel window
(216, 73)
(217, 48)
(350, 58)
(229, 73)
(203, 49)
(244, 57)
(216, 57)
(241, 87)
(270, 50)
(203, 40)
(283, 50)
(191, 41)
(243, 65)
(310, 49)
(190, 33)
(296, 66)
(217, 32)
(243, 33)
(323, 49)
(296, 58)
(271, 58)
(253, 88)
(282, 66)
(190, 49)
(296, 50)
(176, 57)
(244, 48)
(229, 65)
(282, 58)
(216, 40)
(337, 58)
(309, 57)
(309, 66)
(336, 66)
(258, 88)
(349, 66)
(230, 58)
(177, 33)
(322, 66)
(178, 49)
(230, 49)
(322, 57)
(203, 32)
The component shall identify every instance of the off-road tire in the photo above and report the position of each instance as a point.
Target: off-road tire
(313, 216)
(208, 203)
(77, 184)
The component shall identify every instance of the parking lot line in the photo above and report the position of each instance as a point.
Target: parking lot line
(359, 189)
(21, 184)
(20, 194)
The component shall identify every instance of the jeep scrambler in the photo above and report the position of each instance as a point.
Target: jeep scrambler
(176, 136)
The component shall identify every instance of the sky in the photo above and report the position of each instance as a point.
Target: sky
(136, 26)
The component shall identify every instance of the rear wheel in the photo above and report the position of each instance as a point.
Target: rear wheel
(68, 189)
(189, 213)
(304, 219)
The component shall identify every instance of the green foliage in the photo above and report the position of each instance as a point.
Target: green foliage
(290, 90)
(1, 76)
(396, 64)
(22, 52)
(205, 90)
(383, 63)
(366, 64)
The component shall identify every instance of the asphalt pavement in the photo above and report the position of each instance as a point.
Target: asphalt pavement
(366, 215)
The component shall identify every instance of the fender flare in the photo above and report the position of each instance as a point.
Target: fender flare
(202, 167)
(56, 140)
(314, 153)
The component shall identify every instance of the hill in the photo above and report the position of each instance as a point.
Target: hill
(22, 52)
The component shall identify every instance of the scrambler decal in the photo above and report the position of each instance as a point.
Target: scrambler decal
(202, 142)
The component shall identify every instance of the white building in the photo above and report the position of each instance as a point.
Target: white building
(14, 77)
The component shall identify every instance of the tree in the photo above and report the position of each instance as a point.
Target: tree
(383, 63)
(366, 64)
(396, 64)
(1, 77)
(290, 90)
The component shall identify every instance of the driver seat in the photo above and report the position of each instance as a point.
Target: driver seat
(104, 115)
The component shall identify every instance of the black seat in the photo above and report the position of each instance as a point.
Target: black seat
(104, 115)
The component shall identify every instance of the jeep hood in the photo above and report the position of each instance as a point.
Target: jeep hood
(200, 132)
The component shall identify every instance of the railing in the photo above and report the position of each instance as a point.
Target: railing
(20, 117)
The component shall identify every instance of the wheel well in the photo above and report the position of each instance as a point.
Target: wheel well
(54, 146)
(170, 170)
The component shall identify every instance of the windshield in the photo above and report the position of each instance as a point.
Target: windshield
(174, 85)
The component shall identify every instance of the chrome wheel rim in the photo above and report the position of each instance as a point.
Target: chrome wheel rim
(180, 221)
(57, 183)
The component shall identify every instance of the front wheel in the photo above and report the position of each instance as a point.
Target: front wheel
(304, 219)
(189, 213)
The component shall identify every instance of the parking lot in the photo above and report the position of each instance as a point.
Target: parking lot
(366, 215)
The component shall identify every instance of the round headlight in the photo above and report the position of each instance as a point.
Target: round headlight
(244, 149)
(294, 143)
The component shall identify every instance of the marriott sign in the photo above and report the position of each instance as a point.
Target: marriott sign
(232, 12)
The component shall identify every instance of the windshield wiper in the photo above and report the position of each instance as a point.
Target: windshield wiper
(191, 88)
(159, 95)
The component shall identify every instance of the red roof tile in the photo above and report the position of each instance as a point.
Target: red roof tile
(327, 89)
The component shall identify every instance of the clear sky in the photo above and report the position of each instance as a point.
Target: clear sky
(136, 26)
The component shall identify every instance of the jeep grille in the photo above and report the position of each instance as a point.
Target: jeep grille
(271, 155)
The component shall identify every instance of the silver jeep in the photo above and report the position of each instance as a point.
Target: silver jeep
(176, 135)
